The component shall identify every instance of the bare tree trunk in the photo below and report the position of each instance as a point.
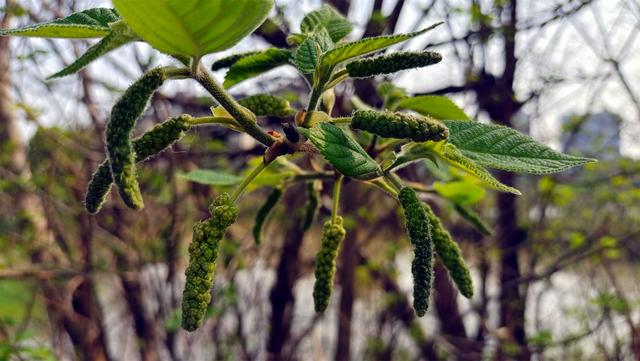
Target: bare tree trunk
(281, 297)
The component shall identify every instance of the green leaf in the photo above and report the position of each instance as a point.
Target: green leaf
(228, 61)
(436, 106)
(460, 192)
(306, 56)
(413, 152)
(92, 23)
(114, 40)
(473, 218)
(342, 151)
(366, 46)
(211, 177)
(322, 37)
(193, 27)
(391, 95)
(453, 156)
(337, 25)
(500, 147)
(256, 64)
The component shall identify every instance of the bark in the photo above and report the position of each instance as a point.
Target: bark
(281, 297)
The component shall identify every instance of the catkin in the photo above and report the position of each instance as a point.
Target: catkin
(150, 143)
(325, 268)
(264, 212)
(119, 146)
(418, 228)
(399, 125)
(203, 253)
(267, 105)
(449, 254)
(391, 63)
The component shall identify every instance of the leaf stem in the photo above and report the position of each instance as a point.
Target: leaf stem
(176, 73)
(338, 77)
(393, 180)
(382, 184)
(245, 182)
(213, 120)
(341, 120)
(316, 92)
(337, 186)
(244, 117)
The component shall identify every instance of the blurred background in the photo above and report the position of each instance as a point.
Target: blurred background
(556, 279)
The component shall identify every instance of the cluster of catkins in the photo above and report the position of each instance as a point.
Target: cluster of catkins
(424, 228)
(123, 152)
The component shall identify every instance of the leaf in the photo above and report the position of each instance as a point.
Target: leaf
(306, 56)
(436, 106)
(193, 27)
(460, 192)
(92, 23)
(366, 46)
(453, 156)
(256, 64)
(114, 40)
(473, 218)
(501, 147)
(391, 94)
(211, 177)
(322, 37)
(413, 152)
(228, 61)
(342, 151)
(337, 25)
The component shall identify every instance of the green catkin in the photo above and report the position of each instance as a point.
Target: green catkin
(311, 208)
(150, 143)
(267, 105)
(391, 63)
(450, 255)
(228, 61)
(203, 253)
(419, 231)
(399, 125)
(119, 146)
(325, 267)
(264, 212)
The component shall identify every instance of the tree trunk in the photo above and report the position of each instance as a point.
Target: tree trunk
(281, 297)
